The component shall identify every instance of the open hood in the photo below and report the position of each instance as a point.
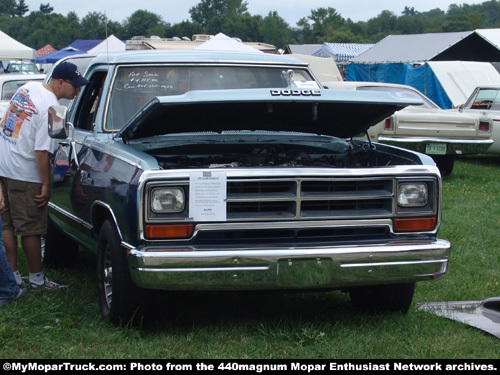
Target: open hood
(338, 113)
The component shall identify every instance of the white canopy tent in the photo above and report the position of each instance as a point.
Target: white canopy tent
(11, 49)
(111, 43)
(460, 78)
(221, 42)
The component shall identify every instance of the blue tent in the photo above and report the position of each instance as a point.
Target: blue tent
(409, 59)
(421, 77)
(79, 46)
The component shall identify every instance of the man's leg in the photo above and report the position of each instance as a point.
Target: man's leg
(32, 248)
(33, 251)
(10, 243)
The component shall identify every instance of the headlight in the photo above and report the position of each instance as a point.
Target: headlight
(166, 200)
(413, 195)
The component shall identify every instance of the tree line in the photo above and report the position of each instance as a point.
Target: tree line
(37, 28)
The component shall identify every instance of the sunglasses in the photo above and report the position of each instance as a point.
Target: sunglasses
(70, 83)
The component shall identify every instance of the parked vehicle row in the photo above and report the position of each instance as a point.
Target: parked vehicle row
(202, 170)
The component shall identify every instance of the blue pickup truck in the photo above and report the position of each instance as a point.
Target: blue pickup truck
(203, 170)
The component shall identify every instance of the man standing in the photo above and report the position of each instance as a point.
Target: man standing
(9, 290)
(25, 167)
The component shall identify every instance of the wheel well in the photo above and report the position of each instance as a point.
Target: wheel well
(99, 215)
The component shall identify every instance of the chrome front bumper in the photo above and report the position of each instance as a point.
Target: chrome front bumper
(454, 146)
(275, 268)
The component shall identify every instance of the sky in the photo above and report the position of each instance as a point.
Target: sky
(176, 11)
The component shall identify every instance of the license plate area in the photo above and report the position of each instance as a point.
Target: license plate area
(435, 149)
(304, 273)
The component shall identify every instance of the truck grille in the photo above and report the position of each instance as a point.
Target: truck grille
(309, 199)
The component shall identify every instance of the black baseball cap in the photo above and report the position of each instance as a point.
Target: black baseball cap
(69, 71)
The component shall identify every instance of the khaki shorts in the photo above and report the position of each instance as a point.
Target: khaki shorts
(21, 214)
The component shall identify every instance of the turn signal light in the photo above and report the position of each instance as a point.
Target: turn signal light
(389, 124)
(414, 225)
(484, 126)
(156, 232)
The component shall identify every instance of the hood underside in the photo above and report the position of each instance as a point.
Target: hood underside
(328, 112)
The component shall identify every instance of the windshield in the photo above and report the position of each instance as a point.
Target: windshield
(23, 67)
(133, 87)
(402, 92)
(485, 99)
(10, 87)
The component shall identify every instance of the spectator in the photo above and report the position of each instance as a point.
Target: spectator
(25, 168)
(9, 290)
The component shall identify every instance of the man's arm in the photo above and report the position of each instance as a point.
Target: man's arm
(43, 163)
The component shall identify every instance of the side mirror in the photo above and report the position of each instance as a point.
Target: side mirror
(57, 122)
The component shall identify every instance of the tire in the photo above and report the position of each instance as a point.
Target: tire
(58, 250)
(120, 300)
(445, 164)
(383, 298)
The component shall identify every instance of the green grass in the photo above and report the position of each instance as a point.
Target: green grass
(67, 324)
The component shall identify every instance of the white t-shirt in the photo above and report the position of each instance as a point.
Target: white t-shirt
(24, 130)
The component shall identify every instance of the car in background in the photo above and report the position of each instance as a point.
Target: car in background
(9, 83)
(485, 101)
(21, 67)
(429, 129)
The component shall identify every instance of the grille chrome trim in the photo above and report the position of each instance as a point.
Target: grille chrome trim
(309, 198)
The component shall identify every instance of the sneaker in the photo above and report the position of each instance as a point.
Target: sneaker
(21, 292)
(23, 284)
(47, 285)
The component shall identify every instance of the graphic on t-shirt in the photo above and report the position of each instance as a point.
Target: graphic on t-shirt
(21, 108)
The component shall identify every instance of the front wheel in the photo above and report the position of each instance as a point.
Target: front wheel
(383, 298)
(445, 164)
(120, 300)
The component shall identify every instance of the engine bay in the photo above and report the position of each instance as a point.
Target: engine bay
(253, 151)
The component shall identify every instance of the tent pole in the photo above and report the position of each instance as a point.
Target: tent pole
(425, 79)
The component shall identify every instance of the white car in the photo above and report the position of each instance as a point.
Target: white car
(9, 83)
(429, 129)
(485, 101)
(20, 67)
